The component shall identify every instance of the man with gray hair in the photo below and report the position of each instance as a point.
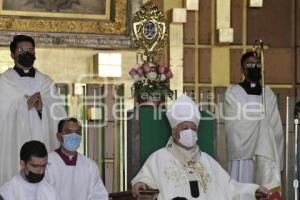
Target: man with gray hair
(181, 171)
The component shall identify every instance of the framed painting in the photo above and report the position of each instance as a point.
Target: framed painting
(78, 9)
(69, 23)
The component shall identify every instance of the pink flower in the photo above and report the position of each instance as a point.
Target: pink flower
(133, 72)
(146, 68)
(168, 73)
(140, 70)
(161, 69)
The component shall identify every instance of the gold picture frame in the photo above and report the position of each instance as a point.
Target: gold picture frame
(53, 12)
(59, 30)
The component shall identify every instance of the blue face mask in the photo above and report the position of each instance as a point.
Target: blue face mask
(72, 141)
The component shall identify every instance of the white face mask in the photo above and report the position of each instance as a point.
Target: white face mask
(188, 137)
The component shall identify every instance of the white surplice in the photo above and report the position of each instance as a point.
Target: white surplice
(253, 139)
(19, 189)
(18, 124)
(164, 171)
(79, 182)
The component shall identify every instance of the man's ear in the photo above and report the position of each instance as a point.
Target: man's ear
(243, 70)
(59, 137)
(12, 56)
(175, 133)
(22, 164)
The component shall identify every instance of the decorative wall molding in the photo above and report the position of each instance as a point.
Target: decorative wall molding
(72, 40)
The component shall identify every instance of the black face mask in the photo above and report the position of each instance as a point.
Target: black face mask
(34, 178)
(26, 59)
(254, 74)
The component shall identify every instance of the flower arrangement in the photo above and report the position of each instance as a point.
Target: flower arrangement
(151, 82)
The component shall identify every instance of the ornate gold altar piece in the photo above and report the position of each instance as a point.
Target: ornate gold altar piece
(150, 36)
(149, 31)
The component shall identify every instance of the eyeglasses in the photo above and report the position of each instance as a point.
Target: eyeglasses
(23, 50)
(253, 65)
(38, 166)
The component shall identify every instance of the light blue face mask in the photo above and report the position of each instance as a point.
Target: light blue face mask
(72, 141)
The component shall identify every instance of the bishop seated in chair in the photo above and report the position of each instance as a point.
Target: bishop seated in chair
(181, 171)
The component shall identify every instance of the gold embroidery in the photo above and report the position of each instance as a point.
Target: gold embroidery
(200, 172)
(174, 175)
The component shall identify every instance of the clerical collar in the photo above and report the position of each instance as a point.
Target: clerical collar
(251, 88)
(182, 155)
(23, 73)
(71, 161)
(194, 169)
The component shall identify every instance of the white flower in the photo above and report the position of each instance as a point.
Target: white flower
(136, 77)
(163, 77)
(152, 76)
